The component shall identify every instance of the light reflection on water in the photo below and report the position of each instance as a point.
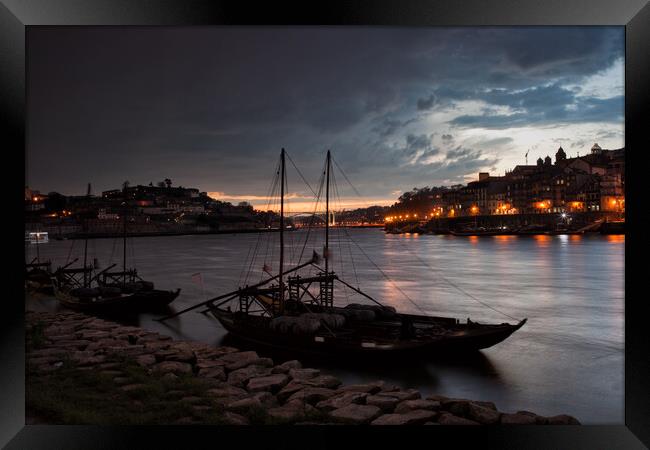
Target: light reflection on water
(568, 358)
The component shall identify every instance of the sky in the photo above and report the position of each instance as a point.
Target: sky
(399, 108)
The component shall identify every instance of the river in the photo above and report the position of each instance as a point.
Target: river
(568, 358)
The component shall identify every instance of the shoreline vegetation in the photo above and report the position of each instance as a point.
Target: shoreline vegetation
(85, 370)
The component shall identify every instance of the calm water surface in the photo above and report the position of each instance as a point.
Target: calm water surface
(568, 358)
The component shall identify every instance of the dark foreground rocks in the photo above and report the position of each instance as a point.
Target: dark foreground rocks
(222, 385)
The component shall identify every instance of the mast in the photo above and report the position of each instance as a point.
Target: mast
(281, 228)
(126, 183)
(327, 216)
(86, 242)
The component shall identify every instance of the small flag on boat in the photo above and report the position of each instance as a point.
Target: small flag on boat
(197, 278)
(327, 253)
(267, 269)
(315, 258)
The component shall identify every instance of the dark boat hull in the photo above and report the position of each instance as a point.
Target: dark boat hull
(465, 338)
(151, 300)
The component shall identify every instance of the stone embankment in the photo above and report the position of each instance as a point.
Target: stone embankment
(240, 384)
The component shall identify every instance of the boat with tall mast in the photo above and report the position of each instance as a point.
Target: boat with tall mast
(289, 315)
(106, 291)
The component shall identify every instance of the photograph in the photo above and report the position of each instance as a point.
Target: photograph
(314, 225)
(242, 223)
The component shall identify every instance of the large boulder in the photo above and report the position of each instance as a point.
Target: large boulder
(517, 419)
(272, 383)
(483, 415)
(287, 365)
(341, 400)
(175, 367)
(239, 377)
(562, 419)
(356, 414)
(292, 411)
(383, 402)
(312, 395)
(450, 419)
(368, 388)
(414, 417)
(408, 394)
(303, 374)
(326, 381)
(412, 405)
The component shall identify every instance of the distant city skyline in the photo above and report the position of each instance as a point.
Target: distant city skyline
(399, 107)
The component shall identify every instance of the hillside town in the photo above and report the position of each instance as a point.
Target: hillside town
(590, 183)
(146, 209)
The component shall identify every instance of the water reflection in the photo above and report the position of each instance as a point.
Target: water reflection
(567, 359)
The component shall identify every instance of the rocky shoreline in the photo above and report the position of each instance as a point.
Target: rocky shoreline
(222, 385)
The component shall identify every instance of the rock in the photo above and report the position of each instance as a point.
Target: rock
(409, 394)
(413, 417)
(214, 372)
(562, 419)
(341, 400)
(121, 380)
(244, 405)
(230, 418)
(232, 357)
(170, 377)
(312, 395)
(450, 419)
(383, 402)
(145, 360)
(175, 367)
(240, 376)
(326, 381)
(191, 399)
(411, 405)
(286, 366)
(539, 420)
(481, 414)
(384, 387)
(457, 407)
(266, 399)
(180, 352)
(208, 364)
(90, 361)
(368, 388)
(292, 411)
(133, 387)
(111, 373)
(490, 405)
(227, 393)
(271, 383)
(94, 335)
(289, 390)
(263, 362)
(303, 374)
(356, 414)
(517, 419)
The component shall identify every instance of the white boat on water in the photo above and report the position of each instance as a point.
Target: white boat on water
(37, 237)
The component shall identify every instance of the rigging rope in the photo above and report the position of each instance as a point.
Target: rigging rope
(387, 277)
(423, 262)
(454, 285)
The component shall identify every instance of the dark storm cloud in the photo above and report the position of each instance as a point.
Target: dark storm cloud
(546, 111)
(211, 107)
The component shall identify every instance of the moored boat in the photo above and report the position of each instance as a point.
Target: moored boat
(294, 312)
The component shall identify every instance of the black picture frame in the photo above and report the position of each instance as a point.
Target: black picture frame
(634, 15)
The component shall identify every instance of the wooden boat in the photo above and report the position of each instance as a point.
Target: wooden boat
(38, 276)
(111, 300)
(108, 292)
(289, 316)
